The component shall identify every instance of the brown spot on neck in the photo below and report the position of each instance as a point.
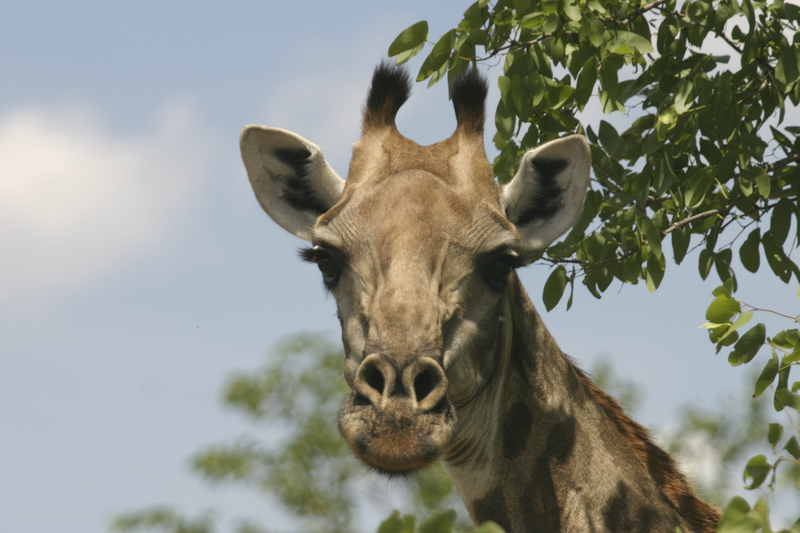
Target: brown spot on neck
(701, 516)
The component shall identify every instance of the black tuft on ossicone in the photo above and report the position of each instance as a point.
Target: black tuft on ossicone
(391, 87)
(469, 99)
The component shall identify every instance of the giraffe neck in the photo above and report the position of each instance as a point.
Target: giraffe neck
(543, 449)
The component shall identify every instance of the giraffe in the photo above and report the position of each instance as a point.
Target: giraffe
(445, 355)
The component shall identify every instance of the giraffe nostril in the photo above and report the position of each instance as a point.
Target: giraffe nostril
(423, 384)
(374, 378)
(425, 377)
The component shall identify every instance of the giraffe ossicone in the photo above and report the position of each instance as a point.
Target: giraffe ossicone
(445, 355)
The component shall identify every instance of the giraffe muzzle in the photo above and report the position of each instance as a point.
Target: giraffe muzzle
(398, 418)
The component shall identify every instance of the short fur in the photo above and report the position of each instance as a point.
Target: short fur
(662, 467)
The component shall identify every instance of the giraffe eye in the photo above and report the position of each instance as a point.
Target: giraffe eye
(497, 269)
(496, 273)
(327, 264)
(328, 267)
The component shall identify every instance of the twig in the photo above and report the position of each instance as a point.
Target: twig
(633, 16)
(702, 216)
(753, 308)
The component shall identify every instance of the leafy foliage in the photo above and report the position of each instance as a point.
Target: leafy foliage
(716, 440)
(726, 316)
(704, 153)
(164, 518)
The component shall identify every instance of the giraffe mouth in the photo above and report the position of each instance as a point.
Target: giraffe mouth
(395, 438)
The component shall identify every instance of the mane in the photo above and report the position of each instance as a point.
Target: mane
(701, 516)
(391, 87)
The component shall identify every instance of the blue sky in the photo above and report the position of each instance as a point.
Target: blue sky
(137, 270)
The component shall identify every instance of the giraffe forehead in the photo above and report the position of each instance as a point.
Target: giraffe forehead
(415, 211)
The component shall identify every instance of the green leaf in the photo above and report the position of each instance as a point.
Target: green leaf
(532, 21)
(724, 12)
(666, 121)
(756, 471)
(396, 524)
(681, 238)
(663, 176)
(787, 338)
(722, 260)
(439, 522)
(722, 309)
(521, 6)
(554, 287)
(504, 120)
(593, 28)
(558, 96)
(504, 84)
(654, 273)
(787, 70)
(609, 137)
(519, 91)
(683, 96)
(743, 319)
(698, 186)
(571, 9)
(489, 527)
(438, 74)
(724, 117)
(585, 83)
(649, 230)
(609, 81)
(730, 335)
(736, 518)
(776, 258)
(404, 57)
(749, 252)
(748, 345)
(781, 220)
(624, 42)
(775, 433)
(438, 56)
(793, 447)
(716, 331)
(726, 288)
(705, 262)
(749, 12)
(762, 182)
(410, 38)
(787, 398)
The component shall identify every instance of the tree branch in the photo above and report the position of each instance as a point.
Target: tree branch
(771, 167)
(701, 216)
(633, 16)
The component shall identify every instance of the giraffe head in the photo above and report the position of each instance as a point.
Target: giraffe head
(418, 247)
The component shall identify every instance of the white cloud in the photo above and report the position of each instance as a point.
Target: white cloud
(78, 202)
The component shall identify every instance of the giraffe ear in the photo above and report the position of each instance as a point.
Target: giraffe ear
(292, 181)
(545, 198)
